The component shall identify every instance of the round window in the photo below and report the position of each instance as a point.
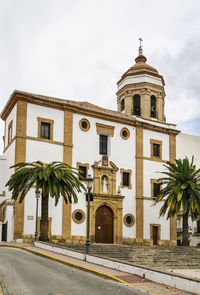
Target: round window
(78, 216)
(125, 133)
(129, 220)
(84, 124)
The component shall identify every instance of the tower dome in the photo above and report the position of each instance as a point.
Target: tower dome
(141, 90)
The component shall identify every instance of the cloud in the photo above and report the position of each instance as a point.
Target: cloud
(79, 49)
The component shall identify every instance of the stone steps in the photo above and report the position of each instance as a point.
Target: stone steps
(154, 256)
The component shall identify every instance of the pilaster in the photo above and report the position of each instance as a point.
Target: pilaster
(145, 103)
(172, 151)
(20, 156)
(139, 185)
(67, 158)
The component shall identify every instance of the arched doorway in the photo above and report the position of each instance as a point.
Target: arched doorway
(104, 225)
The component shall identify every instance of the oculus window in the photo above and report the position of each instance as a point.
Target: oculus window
(84, 124)
(78, 216)
(129, 220)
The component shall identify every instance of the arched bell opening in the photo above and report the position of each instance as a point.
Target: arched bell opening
(136, 105)
(122, 105)
(153, 111)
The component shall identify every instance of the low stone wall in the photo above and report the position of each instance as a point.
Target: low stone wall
(161, 277)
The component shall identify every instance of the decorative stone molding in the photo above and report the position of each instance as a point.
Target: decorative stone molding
(125, 133)
(105, 129)
(78, 216)
(152, 183)
(130, 173)
(159, 142)
(129, 220)
(45, 120)
(84, 124)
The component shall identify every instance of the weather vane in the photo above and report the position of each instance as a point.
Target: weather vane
(140, 39)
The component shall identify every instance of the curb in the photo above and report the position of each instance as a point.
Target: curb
(95, 272)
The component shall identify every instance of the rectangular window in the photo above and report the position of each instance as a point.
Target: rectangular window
(82, 172)
(45, 130)
(9, 134)
(103, 144)
(156, 189)
(156, 150)
(126, 177)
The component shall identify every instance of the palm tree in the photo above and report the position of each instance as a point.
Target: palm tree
(55, 179)
(181, 193)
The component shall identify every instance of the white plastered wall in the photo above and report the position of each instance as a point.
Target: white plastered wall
(86, 150)
(11, 117)
(148, 135)
(151, 216)
(9, 155)
(153, 170)
(3, 168)
(45, 152)
(188, 145)
(35, 111)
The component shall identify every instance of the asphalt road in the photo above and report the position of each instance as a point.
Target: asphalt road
(24, 273)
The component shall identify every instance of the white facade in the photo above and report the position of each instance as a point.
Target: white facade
(124, 177)
(86, 150)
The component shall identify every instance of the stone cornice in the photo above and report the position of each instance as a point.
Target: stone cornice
(87, 110)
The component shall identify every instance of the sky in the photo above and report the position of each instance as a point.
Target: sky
(79, 49)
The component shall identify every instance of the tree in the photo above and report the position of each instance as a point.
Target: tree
(55, 179)
(181, 192)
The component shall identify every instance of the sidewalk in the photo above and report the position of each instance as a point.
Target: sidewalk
(132, 280)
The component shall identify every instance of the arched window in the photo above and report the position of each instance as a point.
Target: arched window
(122, 105)
(153, 106)
(136, 105)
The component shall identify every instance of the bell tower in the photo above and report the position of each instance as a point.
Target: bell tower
(141, 90)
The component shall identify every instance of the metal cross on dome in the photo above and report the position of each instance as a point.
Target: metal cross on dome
(140, 39)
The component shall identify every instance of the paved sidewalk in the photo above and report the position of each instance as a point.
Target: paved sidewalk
(133, 280)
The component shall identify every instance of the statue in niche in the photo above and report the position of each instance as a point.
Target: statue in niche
(104, 184)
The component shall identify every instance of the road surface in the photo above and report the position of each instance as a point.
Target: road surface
(24, 273)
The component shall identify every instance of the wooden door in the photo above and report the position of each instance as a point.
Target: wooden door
(104, 225)
(155, 235)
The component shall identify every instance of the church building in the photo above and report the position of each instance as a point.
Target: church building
(124, 152)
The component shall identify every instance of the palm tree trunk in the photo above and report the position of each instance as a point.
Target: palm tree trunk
(44, 223)
(185, 241)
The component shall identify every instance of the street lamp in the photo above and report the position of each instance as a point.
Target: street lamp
(89, 181)
(37, 195)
